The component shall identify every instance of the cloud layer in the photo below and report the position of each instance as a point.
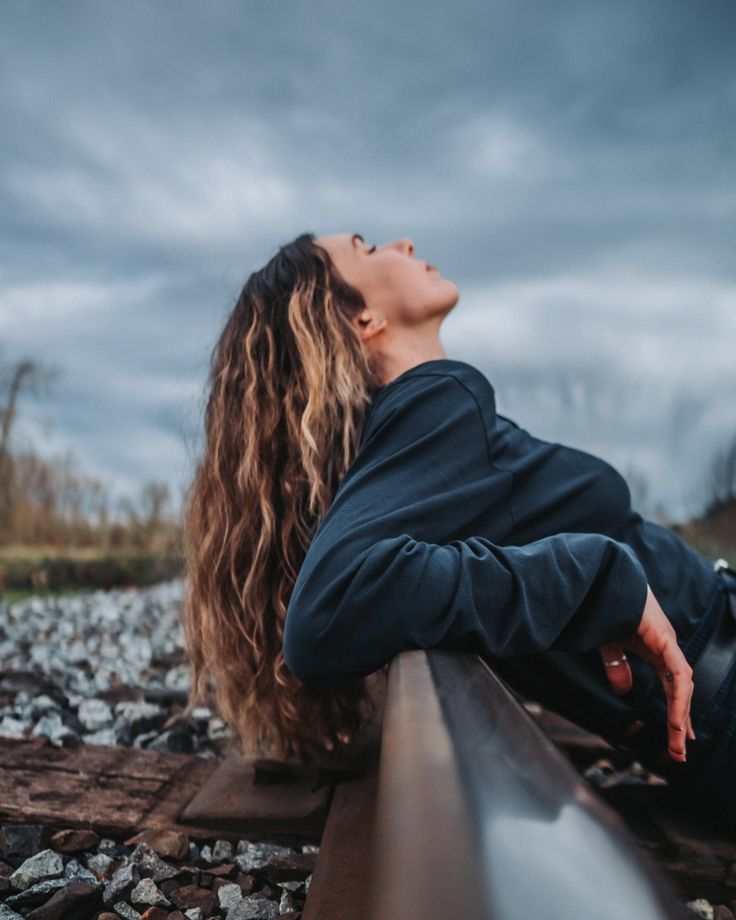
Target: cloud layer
(570, 167)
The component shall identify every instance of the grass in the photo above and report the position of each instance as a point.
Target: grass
(14, 551)
(33, 570)
(13, 595)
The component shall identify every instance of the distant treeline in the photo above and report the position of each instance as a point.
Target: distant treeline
(49, 503)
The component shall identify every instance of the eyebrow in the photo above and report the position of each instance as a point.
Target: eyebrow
(356, 236)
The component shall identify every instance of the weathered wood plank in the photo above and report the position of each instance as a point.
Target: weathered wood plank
(113, 790)
(119, 791)
(77, 796)
(39, 754)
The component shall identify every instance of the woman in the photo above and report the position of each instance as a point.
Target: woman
(359, 495)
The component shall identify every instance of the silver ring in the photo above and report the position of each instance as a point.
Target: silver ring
(614, 661)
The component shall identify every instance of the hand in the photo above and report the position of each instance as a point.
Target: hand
(655, 642)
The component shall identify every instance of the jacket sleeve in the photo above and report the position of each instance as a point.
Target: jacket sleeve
(369, 588)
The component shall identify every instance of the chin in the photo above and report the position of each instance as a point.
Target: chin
(443, 299)
(453, 295)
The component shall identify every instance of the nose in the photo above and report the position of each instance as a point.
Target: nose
(404, 245)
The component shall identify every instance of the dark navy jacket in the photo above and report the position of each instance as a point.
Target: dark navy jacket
(456, 528)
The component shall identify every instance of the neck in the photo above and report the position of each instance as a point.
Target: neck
(393, 361)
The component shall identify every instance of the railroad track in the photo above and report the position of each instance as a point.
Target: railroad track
(477, 814)
(464, 808)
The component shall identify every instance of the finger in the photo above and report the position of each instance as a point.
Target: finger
(617, 667)
(679, 701)
(690, 731)
(676, 750)
(667, 687)
(676, 736)
(663, 652)
(676, 746)
(689, 722)
(678, 708)
(676, 739)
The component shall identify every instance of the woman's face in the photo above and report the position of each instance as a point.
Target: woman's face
(403, 290)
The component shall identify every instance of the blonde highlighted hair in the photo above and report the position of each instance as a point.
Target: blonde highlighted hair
(290, 382)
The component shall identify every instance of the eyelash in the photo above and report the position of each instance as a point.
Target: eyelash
(372, 249)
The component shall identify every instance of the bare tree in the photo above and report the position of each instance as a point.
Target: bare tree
(25, 374)
(36, 501)
(722, 481)
(154, 498)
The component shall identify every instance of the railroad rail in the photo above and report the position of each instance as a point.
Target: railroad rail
(477, 814)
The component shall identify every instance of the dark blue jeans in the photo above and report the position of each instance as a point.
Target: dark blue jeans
(707, 781)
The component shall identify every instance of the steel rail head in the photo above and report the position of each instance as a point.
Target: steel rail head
(479, 814)
(425, 861)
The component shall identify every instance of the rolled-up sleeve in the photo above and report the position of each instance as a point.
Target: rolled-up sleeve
(370, 587)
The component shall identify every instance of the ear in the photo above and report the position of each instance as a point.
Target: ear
(369, 324)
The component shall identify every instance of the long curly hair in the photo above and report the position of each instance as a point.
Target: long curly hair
(290, 383)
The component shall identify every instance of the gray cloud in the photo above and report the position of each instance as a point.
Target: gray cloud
(570, 166)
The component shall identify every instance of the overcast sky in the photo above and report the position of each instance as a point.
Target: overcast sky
(570, 165)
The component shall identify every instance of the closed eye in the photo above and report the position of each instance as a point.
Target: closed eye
(372, 249)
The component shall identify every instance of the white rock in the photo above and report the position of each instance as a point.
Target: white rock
(290, 886)
(74, 869)
(128, 710)
(125, 910)
(42, 865)
(42, 704)
(178, 677)
(11, 727)
(147, 892)
(253, 907)
(99, 863)
(50, 726)
(288, 902)
(222, 851)
(258, 855)
(229, 895)
(105, 737)
(94, 714)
